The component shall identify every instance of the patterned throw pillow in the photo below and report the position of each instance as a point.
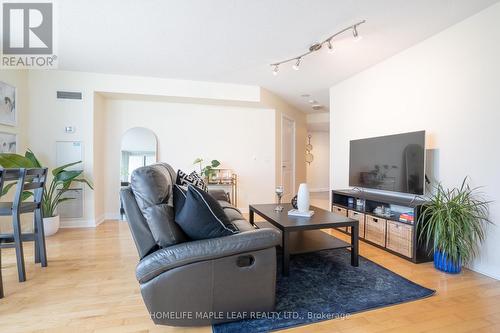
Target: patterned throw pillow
(183, 179)
(200, 180)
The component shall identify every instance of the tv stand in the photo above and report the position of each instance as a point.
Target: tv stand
(391, 228)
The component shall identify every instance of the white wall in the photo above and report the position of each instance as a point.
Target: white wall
(242, 139)
(139, 139)
(284, 109)
(321, 117)
(99, 172)
(318, 122)
(48, 116)
(18, 79)
(318, 172)
(448, 85)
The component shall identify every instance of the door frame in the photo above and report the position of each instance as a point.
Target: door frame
(283, 117)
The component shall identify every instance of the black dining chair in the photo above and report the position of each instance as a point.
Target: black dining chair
(32, 180)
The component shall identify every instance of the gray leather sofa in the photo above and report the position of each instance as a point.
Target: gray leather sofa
(192, 283)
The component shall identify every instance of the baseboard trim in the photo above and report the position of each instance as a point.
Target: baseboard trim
(83, 223)
(78, 223)
(100, 219)
(496, 277)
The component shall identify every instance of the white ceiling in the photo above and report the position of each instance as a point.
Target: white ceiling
(235, 40)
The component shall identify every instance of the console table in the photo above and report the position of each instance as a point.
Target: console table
(390, 232)
(225, 179)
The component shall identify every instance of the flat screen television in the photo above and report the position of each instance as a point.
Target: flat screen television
(391, 163)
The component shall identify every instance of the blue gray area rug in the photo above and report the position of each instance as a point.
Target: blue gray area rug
(322, 286)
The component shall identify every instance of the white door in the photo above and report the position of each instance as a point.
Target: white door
(288, 158)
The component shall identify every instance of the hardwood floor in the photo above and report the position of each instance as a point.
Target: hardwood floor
(89, 286)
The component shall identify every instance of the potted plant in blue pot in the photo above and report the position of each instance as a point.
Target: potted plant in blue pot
(454, 221)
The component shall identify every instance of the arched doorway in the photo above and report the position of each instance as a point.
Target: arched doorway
(138, 149)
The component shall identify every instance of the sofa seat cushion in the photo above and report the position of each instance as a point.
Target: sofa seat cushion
(153, 192)
(232, 212)
(201, 216)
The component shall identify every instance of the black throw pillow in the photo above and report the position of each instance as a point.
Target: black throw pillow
(202, 217)
(179, 197)
(183, 179)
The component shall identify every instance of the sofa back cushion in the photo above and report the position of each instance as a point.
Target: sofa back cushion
(153, 190)
(139, 227)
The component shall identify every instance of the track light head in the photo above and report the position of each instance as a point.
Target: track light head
(296, 66)
(276, 69)
(355, 32)
(330, 46)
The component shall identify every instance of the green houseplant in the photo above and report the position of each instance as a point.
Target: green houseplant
(454, 220)
(62, 179)
(208, 169)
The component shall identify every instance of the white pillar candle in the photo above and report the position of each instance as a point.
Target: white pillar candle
(303, 198)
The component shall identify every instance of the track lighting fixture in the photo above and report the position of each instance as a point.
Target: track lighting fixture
(276, 69)
(296, 66)
(355, 33)
(317, 46)
(330, 46)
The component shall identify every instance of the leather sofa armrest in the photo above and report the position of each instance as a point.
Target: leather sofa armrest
(207, 249)
(219, 194)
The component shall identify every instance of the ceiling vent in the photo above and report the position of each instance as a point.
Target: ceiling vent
(69, 95)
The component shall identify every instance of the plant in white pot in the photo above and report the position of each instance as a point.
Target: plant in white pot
(61, 182)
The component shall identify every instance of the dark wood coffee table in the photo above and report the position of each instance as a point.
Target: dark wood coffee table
(302, 234)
